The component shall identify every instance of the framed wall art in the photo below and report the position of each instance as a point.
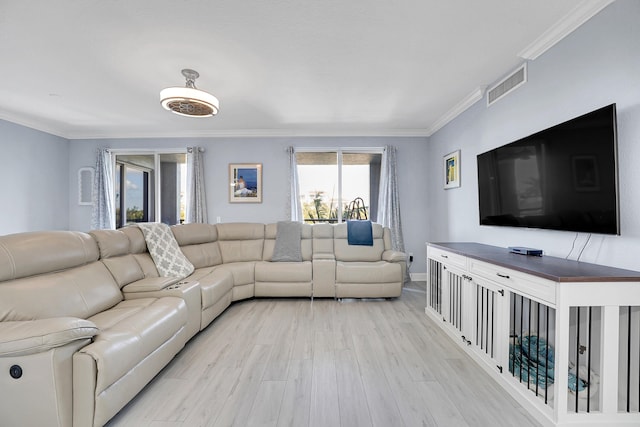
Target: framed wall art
(245, 183)
(452, 170)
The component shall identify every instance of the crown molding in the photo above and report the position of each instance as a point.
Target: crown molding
(210, 133)
(565, 26)
(254, 133)
(32, 124)
(574, 19)
(458, 109)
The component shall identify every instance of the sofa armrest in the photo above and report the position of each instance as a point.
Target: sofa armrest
(160, 287)
(19, 338)
(394, 256)
(150, 284)
(324, 274)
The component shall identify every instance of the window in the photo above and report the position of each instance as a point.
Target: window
(150, 187)
(339, 184)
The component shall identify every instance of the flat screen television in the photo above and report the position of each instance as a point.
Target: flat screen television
(561, 178)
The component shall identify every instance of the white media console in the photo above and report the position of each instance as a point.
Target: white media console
(563, 337)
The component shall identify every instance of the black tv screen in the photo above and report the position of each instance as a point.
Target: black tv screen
(562, 178)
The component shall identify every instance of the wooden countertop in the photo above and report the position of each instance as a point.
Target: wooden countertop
(548, 267)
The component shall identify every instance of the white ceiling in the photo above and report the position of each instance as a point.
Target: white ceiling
(94, 68)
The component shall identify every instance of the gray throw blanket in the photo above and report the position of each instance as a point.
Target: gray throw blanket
(287, 247)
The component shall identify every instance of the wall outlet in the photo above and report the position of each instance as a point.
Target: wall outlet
(410, 256)
(218, 219)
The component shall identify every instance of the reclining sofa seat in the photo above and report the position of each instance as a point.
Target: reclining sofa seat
(85, 352)
(199, 243)
(206, 292)
(241, 246)
(116, 254)
(367, 271)
(284, 278)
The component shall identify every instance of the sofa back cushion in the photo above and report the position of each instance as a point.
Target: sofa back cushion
(270, 233)
(32, 253)
(138, 248)
(115, 253)
(240, 242)
(346, 252)
(199, 243)
(137, 243)
(48, 274)
(322, 238)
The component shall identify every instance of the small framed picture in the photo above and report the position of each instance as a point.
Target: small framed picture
(452, 170)
(245, 183)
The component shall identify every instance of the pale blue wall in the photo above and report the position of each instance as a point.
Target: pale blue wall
(34, 180)
(596, 65)
(39, 182)
(219, 152)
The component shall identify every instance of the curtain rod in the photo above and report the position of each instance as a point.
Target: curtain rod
(335, 149)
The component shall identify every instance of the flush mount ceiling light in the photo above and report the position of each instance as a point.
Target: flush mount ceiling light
(189, 101)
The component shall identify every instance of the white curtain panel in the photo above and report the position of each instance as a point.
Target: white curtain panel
(196, 196)
(103, 213)
(389, 200)
(294, 205)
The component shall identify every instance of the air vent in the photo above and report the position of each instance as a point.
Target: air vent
(508, 84)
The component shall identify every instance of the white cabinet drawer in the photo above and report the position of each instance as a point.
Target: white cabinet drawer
(446, 257)
(536, 288)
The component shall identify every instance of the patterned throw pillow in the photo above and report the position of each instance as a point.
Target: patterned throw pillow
(164, 250)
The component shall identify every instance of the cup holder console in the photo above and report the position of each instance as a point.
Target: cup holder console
(176, 285)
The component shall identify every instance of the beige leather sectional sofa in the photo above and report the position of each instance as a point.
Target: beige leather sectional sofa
(86, 321)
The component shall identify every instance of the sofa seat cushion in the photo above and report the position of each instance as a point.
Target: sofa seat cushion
(215, 283)
(368, 272)
(243, 272)
(243, 279)
(283, 279)
(131, 331)
(283, 271)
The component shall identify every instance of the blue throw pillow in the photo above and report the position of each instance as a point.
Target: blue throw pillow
(359, 232)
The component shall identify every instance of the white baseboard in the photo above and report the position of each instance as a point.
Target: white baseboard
(418, 277)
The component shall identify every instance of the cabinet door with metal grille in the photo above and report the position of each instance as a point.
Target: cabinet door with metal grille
(489, 331)
(448, 297)
(455, 301)
(435, 280)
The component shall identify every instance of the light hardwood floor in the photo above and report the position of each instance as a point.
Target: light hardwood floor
(294, 362)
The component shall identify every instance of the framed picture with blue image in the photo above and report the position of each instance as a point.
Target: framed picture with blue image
(245, 182)
(452, 170)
